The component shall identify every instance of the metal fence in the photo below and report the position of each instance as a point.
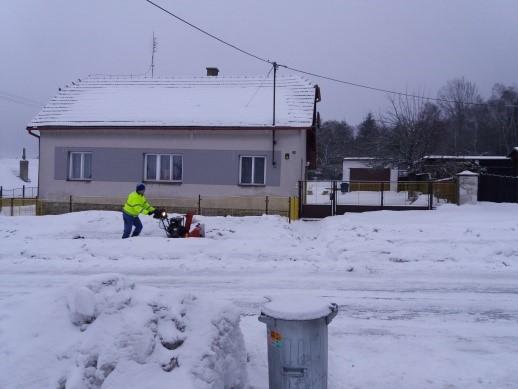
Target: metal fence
(326, 198)
(24, 201)
(18, 207)
(20, 201)
(498, 189)
(201, 205)
(30, 192)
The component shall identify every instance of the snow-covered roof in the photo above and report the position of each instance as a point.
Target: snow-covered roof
(181, 102)
(360, 159)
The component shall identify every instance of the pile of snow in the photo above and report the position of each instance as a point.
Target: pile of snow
(10, 172)
(111, 333)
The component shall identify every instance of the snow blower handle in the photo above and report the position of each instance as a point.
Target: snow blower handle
(160, 214)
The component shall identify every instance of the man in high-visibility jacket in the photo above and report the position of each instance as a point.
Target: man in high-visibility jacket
(135, 205)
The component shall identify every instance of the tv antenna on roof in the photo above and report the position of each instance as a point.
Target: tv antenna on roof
(155, 45)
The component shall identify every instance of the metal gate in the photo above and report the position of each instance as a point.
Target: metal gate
(319, 199)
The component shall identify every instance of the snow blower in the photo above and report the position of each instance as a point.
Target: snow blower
(180, 226)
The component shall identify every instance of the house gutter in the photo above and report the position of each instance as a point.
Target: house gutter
(31, 133)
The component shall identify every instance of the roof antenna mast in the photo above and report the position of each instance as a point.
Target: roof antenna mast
(155, 44)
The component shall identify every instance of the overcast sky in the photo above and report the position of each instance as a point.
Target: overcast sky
(407, 45)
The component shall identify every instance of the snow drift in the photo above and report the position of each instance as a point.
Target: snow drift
(111, 333)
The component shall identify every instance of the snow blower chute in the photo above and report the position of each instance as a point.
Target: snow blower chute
(180, 226)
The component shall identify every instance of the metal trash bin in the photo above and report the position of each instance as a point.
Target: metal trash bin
(297, 343)
(344, 187)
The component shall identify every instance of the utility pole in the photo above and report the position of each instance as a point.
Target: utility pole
(274, 141)
(275, 66)
(153, 55)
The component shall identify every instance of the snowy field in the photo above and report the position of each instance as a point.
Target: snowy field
(428, 299)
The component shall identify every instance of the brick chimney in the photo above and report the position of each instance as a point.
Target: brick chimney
(212, 72)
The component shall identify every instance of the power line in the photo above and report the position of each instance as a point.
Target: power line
(358, 85)
(21, 102)
(209, 34)
(259, 87)
(22, 99)
(381, 89)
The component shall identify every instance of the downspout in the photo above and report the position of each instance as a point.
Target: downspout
(39, 165)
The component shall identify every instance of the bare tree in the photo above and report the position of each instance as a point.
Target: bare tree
(459, 97)
(414, 130)
(503, 113)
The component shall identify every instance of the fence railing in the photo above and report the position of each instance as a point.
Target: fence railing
(201, 205)
(18, 206)
(20, 192)
(325, 198)
(378, 193)
(20, 201)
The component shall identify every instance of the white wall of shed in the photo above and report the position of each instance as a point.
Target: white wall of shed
(348, 164)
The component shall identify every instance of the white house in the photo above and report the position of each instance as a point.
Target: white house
(184, 137)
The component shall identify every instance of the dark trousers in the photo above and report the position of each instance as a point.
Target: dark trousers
(129, 222)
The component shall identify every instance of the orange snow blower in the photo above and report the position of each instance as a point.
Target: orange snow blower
(180, 226)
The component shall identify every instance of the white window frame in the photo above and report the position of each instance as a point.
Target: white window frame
(158, 162)
(254, 157)
(81, 167)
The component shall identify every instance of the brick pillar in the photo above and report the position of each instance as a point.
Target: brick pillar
(468, 187)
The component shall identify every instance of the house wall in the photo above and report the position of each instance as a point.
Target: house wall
(210, 162)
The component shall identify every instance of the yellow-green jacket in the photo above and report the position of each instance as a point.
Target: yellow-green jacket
(137, 204)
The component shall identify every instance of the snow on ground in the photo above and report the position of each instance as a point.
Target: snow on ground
(428, 299)
(9, 175)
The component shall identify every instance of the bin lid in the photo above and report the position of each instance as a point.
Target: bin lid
(298, 308)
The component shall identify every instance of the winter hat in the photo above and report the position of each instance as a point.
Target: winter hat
(141, 188)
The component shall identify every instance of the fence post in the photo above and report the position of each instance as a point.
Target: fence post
(300, 199)
(12, 206)
(266, 203)
(333, 200)
(1, 191)
(382, 189)
(199, 204)
(70, 204)
(430, 195)
(289, 209)
(23, 191)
